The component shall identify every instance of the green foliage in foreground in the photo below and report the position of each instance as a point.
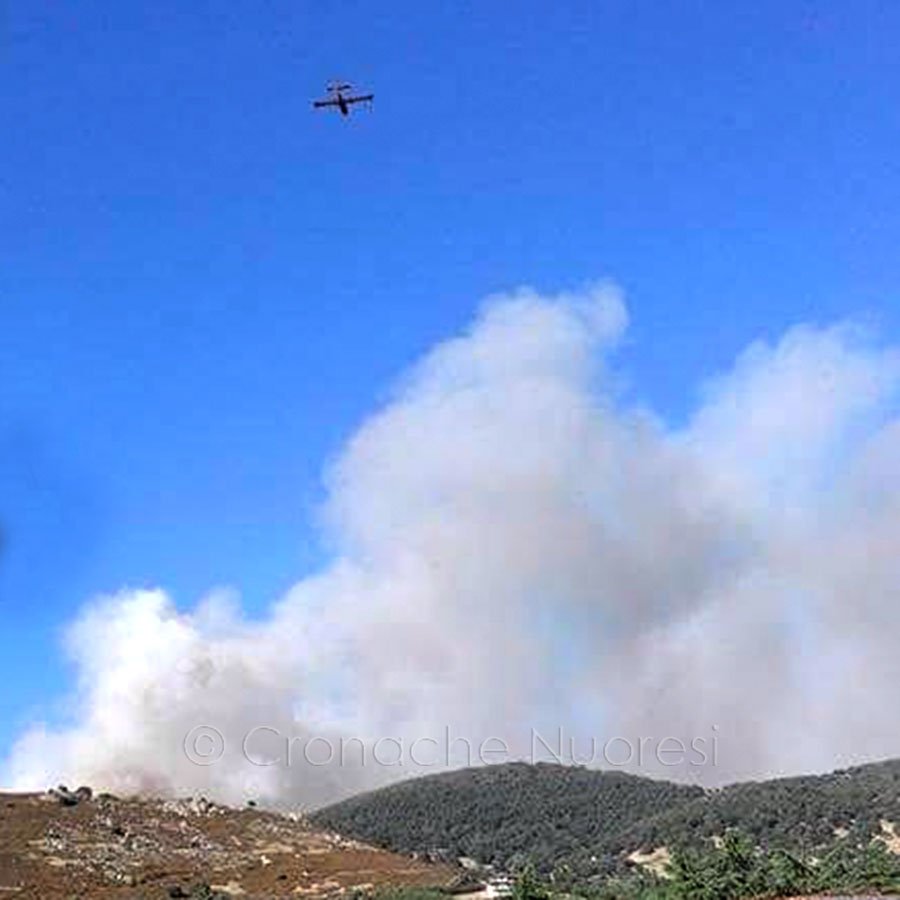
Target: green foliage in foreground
(404, 893)
(739, 870)
(735, 871)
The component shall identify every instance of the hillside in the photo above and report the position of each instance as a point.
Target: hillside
(506, 813)
(73, 845)
(799, 813)
(591, 821)
(596, 824)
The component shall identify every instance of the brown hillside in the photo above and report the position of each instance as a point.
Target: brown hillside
(59, 845)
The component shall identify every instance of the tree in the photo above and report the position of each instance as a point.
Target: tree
(528, 886)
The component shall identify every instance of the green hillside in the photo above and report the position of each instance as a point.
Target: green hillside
(588, 822)
(799, 813)
(506, 813)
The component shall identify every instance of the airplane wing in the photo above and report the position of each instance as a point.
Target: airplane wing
(320, 103)
(361, 99)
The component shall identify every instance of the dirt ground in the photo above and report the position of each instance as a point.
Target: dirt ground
(105, 847)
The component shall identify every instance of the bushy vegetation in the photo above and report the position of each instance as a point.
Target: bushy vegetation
(800, 814)
(738, 869)
(401, 893)
(508, 814)
(577, 827)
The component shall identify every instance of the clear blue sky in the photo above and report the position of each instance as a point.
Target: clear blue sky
(204, 285)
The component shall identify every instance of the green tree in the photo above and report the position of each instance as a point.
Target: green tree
(528, 886)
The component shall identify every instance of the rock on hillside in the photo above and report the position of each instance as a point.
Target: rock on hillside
(71, 844)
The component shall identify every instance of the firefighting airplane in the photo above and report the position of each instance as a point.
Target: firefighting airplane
(337, 96)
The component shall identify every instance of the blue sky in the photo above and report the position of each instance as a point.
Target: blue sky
(205, 286)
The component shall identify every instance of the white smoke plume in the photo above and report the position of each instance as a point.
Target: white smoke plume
(516, 551)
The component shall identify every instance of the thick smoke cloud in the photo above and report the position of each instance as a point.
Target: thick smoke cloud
(519, 551)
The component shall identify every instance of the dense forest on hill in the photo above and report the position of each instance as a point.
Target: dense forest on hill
(584, 823)
(799, 813)
(506, 813)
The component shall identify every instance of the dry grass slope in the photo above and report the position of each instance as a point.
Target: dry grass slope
(115, 848)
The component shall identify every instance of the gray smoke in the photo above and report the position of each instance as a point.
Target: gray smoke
(518, 552)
